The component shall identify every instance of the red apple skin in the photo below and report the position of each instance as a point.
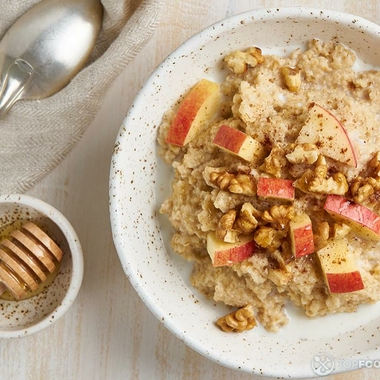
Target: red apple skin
(184, 125)
(275, 188)
(304, 241)
(238, 143)
(344, 282)
(301, 236)
(363, 220)
(235, 255)
(329, 134)
(339, 267)
(353, 160)
(229, 138)
(227, 254)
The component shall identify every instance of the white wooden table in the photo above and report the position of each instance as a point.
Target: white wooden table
(109, 333)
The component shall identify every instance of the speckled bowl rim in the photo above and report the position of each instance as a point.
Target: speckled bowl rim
(138, 180)
(76, 256)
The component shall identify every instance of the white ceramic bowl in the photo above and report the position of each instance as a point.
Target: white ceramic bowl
(26, 317)
(139, 182)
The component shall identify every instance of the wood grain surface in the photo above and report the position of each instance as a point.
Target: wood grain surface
(109, 333)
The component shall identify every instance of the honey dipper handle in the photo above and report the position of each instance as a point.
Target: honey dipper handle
(2, 288)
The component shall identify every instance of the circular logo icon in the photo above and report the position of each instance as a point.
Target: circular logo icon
(323, 364)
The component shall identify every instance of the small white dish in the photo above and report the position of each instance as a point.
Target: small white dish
(23, 318)
(139, 182)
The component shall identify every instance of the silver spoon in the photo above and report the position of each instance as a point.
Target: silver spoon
(46, 47)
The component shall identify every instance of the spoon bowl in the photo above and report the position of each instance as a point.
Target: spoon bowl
(46, 47)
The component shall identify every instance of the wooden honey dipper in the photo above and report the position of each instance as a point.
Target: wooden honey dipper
(26, 257)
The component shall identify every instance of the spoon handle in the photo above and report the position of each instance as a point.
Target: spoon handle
(17, 77)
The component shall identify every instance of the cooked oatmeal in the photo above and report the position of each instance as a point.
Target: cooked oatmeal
(220, 197)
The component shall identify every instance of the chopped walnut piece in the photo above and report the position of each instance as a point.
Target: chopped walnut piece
(283, 256)
(292, 78)
(362, 188)
(321, 168)
(238, 183)
(325, 232)
(303, 154)
(274, 163)
(315, 181)
(238, 61)
(279, 216)
(322, 235)
(232, 223)
(269, 237)
(238, 321)
(374, 164)
(246, 222)
(337, 184)
(243, 184)
(218, 177)
(224, 230)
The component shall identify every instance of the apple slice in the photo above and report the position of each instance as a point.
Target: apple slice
(238, 143)
(227, 254)
(277, 188)
(339, 267)
(324, 130)
(301, 235)
(198, 107)
(363, 221)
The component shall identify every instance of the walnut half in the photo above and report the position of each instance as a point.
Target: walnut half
(237, 183)
(234, 223)
(279, 216)
(246, 222)
(269, 238)
(274, 163)
(225, 231)
(238, 61)
(364, 190)
(292, 78)
(317, 181)
(239, 320)
(303, 154)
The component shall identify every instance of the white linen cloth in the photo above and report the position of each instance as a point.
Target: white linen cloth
(36, 135)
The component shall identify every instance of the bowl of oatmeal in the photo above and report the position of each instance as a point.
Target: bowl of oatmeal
(245, 212)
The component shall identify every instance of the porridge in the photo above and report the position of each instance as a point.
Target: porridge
(276, 189)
